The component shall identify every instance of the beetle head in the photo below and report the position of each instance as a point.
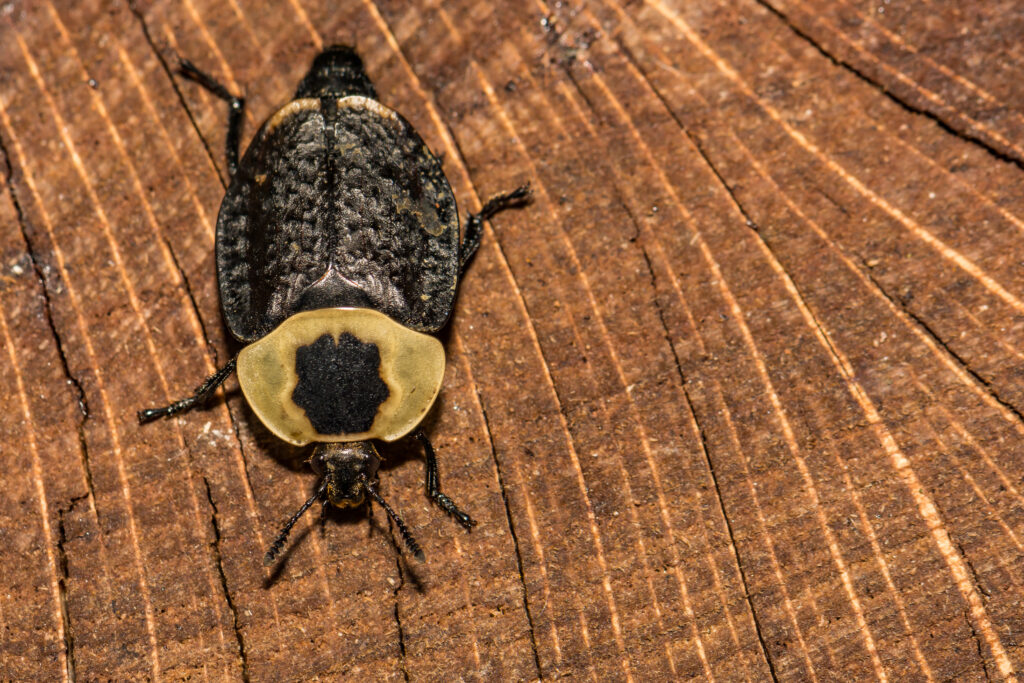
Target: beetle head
(345, 468)
(347, 473)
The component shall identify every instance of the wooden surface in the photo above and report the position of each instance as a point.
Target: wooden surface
(739, 396)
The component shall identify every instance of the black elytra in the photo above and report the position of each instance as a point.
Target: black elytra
(337, 204)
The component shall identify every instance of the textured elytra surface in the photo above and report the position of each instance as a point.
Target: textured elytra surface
(339, 385)
(738, 395)
(337, 203)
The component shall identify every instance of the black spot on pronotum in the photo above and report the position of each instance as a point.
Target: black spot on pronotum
(339, 384)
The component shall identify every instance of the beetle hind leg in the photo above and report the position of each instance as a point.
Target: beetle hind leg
(199, 397)
(433, 483)
(236, 107)
(475, 221)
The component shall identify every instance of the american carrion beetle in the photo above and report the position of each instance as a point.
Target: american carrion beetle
(338, 257)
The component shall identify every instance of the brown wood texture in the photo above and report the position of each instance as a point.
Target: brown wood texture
(738, 397)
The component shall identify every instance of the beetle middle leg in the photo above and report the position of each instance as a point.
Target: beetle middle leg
(236, 107)
(199, 397)
(433, 483)
(475, 222)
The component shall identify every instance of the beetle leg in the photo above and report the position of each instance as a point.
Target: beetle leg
(236, 106)
(323, 514)
(433, 484)
(200, 396)
(475, 221)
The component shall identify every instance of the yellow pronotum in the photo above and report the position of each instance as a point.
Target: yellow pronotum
(411, 364)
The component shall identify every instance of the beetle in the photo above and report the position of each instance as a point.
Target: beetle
(338, 260)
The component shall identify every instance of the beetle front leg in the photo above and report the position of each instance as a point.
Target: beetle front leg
(236, 107)
(323, 514)
(199, 397)
(433, 484)
(475, 221)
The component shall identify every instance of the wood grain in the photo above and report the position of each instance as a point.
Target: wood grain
(737, 397)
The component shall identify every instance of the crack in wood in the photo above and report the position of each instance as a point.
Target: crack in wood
(978, 644)
(62, 556)
(888, 92)
(706, 453)
(395, 594)
(44, 285)
(143, 25)
(515, 537)
(80, 400)
(210, 346)
(219, 561)
(898, 303)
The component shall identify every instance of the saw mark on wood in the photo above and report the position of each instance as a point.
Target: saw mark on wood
(788, 282)
(606, 339)
(569, 441)
(695, 425)
(662, 500)
(668, 187)
(926, 506)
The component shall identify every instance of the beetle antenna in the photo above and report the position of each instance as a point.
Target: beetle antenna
(410, 542)
(275, 547)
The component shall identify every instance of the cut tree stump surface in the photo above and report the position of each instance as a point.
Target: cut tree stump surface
(738, 396)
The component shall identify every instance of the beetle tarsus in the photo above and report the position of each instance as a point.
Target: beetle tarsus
(433, 483)
(236, 107)
(199, 397)
(449, 506)
(475, 221)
